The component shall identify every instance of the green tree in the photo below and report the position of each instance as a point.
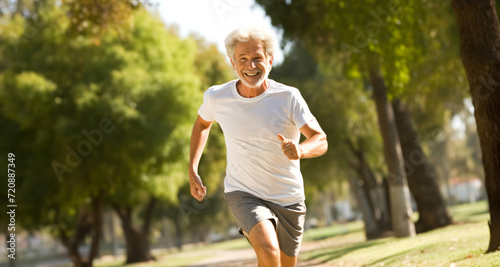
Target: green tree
(90, 121)
(212, 213)
(188, 215)
(210, 68)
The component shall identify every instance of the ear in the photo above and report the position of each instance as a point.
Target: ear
(271, 58)
(232, 63)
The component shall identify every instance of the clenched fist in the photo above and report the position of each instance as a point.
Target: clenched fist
(198, 191)
(290, 148)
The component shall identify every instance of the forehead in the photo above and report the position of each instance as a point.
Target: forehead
(250, 47)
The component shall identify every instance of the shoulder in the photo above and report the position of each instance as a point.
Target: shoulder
(220, 87)
(287, 90)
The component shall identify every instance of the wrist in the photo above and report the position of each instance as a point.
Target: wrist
(301, 153)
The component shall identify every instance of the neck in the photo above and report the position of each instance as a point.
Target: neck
(250, 92)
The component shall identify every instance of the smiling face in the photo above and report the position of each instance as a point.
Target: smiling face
(251, 63)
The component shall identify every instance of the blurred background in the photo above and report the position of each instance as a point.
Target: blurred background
(98, 97)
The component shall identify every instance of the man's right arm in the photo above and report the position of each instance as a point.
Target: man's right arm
(199, 138)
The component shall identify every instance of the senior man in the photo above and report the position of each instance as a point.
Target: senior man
(261, 120)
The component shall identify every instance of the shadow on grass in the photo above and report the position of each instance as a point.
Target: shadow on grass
(337, 252)
(391, 258)
(317, 235)
(477, 216)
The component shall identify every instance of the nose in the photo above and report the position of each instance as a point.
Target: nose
(251, 64)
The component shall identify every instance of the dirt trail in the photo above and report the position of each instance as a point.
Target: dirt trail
(246, 257)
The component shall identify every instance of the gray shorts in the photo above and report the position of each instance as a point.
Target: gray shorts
(289, 221)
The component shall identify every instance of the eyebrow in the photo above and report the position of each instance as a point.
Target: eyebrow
(252, 54)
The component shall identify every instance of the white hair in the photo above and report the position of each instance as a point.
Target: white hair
(248, 33)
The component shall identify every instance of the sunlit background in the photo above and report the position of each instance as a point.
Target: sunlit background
(98, 100)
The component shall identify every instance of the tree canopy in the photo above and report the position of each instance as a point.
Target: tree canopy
(86, 117)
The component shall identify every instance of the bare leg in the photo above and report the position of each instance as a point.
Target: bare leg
(265, 243)
(287, 260)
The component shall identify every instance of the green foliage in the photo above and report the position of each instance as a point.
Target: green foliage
(414, 43)
(438, 84)
(85, 116)
(27, 103)
(362, 33)
(214, 70)
(212, 212)
(95, 18)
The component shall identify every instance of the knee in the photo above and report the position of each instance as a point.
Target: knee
(269, 252)
(265, 242)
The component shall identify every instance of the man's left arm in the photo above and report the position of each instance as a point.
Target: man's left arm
(314, 146)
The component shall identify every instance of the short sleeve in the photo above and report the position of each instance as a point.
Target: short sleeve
(301, 114)
(204, 111)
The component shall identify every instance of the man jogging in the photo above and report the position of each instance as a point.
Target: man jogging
(262, 121)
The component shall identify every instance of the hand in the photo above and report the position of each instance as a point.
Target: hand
(198, 191)
(290, 148)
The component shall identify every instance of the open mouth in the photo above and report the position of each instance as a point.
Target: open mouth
(252, 74)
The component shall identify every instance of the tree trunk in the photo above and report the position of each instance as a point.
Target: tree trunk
(372, 190)
(72, 249)
(112, 233)
(371, 227)
(89, 222)
(178, 231)
(165, 229)
(137, 239)
(97, 225)
(327, 209)
(480, 51)
(421, 179)
(441, 157)
(398, 186)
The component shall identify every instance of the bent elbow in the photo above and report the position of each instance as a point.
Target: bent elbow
(326, 145)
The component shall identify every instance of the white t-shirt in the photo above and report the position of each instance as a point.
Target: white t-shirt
(255, 162)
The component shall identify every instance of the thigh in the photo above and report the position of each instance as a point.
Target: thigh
(290, 227)
(248, 210)
(263, 236)
(265, 243)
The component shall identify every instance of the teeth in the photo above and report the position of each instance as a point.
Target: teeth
(251, 75)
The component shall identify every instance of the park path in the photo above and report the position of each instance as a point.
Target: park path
(246, 257)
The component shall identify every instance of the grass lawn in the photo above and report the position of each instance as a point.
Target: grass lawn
(462, 244)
